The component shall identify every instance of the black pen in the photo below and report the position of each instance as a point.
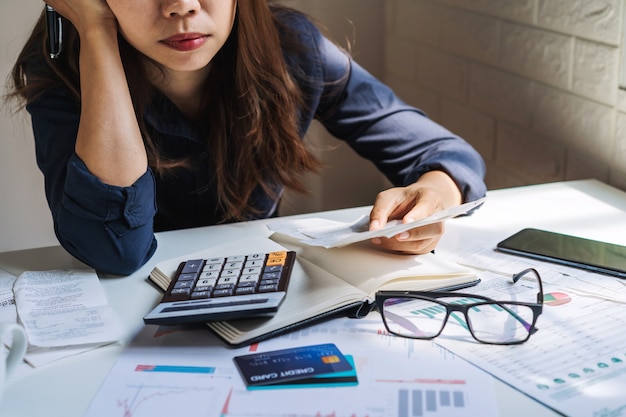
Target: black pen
(55, 32)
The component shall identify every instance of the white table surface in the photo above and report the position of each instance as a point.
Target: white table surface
(65, 388)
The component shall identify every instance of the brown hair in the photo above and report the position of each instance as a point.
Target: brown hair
(251, 103)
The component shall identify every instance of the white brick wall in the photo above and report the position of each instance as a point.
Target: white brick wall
(599, 20)
(532, 84)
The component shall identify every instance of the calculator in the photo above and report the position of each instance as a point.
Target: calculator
(222, 288)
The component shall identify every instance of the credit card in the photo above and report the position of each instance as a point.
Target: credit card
(336, 379)
(278, 366)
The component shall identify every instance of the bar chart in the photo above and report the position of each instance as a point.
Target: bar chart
(424, 402)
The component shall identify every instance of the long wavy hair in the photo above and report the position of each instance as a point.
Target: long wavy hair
(251, 103)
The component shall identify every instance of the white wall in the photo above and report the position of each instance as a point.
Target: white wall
(24, 216)
(532, 84)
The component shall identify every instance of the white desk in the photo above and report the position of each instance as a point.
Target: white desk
(65, 388)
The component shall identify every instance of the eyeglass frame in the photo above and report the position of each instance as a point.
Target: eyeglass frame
(433, 296)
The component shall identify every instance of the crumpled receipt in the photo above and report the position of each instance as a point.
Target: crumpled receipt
(331, 233)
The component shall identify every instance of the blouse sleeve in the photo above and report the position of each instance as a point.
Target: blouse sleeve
(399, 139)
(106, 227)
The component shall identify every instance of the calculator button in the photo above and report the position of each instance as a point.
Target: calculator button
(252, 271)
(206, 282)
(249, 278)
(181, 291)
(187, 277)
(212, 267)
(229, 273)
(236, 258)
(222, 292)
(233, 265)
(274, 268)
(271, 275)
(275, 262)
(226, 280)
(192, 266)
(268, 288)
(200, 294)
(269, 282)
(244, 290)
(255, 263)
(215, 260)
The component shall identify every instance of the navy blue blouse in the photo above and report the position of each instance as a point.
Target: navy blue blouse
(112, 228)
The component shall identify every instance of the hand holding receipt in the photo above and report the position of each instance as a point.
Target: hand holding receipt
(55, 32)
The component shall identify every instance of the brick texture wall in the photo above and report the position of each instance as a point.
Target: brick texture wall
(532, 84)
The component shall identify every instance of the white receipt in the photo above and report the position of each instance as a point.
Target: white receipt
(64, 307)
(330, 233)
(8, 312)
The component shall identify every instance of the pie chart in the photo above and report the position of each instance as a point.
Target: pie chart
(556, 299)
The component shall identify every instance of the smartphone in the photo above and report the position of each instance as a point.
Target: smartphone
(577, 252)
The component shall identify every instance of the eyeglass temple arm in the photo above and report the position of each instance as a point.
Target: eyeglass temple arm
(516, 277)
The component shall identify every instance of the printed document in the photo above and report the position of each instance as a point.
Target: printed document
(576, 362)
(189, 372)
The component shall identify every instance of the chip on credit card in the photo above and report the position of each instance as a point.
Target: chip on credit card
(278, 366)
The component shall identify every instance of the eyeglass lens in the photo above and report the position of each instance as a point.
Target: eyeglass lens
(490, 323)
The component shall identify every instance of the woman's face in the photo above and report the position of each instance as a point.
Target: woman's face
(181, 36)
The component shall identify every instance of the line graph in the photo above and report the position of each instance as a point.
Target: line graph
(163, 390)
(145, 400)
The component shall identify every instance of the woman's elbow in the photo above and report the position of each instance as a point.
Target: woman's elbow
(112, 257)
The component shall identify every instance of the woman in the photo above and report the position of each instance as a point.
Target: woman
(163, 114)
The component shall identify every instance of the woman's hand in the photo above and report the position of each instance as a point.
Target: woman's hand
(433, 191)
(85, 14)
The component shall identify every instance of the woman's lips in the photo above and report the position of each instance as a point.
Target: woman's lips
(185, 41)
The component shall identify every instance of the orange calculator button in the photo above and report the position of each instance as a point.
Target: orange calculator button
(276, 258)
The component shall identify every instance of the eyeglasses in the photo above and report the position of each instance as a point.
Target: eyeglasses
(424, 314)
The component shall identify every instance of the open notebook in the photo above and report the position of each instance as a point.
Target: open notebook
(326, 282)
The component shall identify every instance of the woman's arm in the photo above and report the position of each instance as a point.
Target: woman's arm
(430, 167)
(109, 140)
(98, 187)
